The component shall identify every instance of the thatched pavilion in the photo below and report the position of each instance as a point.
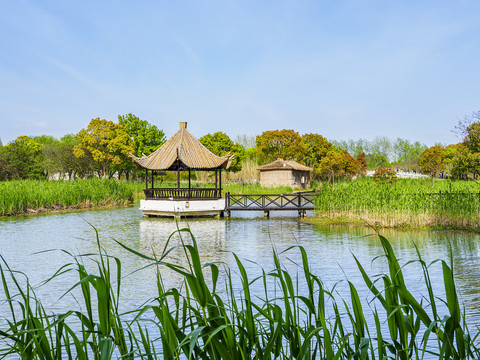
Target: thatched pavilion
(182, 152)
(285, 173)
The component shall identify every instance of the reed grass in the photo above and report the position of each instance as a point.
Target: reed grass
(408, 202)
(31, 196)
(294, 318)
(22, 196)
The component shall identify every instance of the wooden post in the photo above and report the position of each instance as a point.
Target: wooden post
(220, 182)
(146, 179)
(152, 180)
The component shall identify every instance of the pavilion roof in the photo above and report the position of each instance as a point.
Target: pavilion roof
(181, 152)
(281, 164)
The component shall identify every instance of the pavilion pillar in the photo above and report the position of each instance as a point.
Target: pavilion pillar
(146, 179)
(220, 187)
(178, 180)
(216, 182)
(189, 183)
(152, 180)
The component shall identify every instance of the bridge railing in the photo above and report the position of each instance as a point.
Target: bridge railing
(300, 201)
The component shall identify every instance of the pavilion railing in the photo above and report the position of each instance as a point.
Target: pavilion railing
(175, 193)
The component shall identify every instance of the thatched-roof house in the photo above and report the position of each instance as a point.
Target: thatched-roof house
(285, 173)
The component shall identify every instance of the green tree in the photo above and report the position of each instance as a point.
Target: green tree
(4, 173)
(405, 151)
(220, 144)
(377, 160)
(107, 143)
(146, 137)
(355, 147)
(284, 144)
(459, 162)
(22, 159)
(472, 137)
(316, 147)
(246, 141)
(59, 159)
(49, 159)
(330, 165)
(381, 146)
(474, 164)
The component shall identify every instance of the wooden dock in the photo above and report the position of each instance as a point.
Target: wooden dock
(300, 202)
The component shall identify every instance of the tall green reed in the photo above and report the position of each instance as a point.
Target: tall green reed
(216, 314)
(21, 195)
(407, 202)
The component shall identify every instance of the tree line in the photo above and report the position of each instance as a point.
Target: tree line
(102, 150)
(460, 161)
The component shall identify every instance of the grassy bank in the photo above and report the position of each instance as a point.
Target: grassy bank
(407, 203)
(293, 317)
(30, 196)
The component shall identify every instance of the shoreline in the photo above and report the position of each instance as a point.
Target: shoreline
(383, 223)
(58, 209)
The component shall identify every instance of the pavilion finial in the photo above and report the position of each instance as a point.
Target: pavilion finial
(183, 125)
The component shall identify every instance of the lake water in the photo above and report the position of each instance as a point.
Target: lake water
(33, 245)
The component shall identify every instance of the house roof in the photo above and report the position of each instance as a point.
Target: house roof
(181, 152)
(280, 164)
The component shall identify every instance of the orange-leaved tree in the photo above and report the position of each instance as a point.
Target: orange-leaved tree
(107, 143)
(431, 160)
(330, 165)
(385, 175)
(349, 164)
(284, 144)
(362, 164)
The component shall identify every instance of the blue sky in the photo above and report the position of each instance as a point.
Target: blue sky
(343, 69)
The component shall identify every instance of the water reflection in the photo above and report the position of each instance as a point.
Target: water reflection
(249, 235)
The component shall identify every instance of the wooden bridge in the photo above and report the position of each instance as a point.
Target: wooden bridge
(300, 202)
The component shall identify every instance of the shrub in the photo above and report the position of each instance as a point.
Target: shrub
(385, 175)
